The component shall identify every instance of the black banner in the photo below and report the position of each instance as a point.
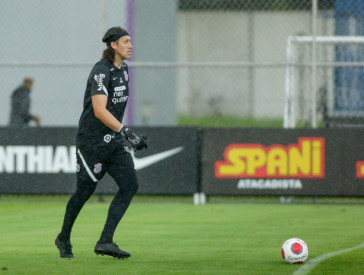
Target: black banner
(322, 162)
(317, 162)
(43, 161)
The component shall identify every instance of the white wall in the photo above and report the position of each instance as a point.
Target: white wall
(238, 37)
(203, 37)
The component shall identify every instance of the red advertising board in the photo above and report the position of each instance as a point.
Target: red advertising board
(320, 162)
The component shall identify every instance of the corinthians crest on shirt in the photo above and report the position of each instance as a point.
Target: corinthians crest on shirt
(97, 168)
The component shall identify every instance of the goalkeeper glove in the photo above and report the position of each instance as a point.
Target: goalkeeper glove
(137, 141)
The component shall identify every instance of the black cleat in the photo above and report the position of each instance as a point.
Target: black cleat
(65, 248)
(110, 249)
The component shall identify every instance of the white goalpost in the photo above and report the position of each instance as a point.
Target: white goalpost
(305, 105)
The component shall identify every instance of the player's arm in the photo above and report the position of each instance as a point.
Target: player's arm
(99, 102)
(100, 78)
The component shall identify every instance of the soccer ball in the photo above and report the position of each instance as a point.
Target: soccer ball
(294, 251)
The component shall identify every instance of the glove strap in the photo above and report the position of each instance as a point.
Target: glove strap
(121, 131)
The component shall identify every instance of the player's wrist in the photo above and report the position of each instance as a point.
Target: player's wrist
(122, 130)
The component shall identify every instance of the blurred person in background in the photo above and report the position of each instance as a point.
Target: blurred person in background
(101, 144)
(20, 115)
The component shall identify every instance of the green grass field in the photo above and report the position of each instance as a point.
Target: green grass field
(180, 238)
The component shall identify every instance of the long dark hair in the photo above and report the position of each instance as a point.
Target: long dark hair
(109, 52)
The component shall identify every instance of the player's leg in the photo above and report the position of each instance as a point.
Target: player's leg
(87, 177)
(83, 193)
(123, 172)
(128, 186)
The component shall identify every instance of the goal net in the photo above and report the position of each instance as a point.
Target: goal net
(324, 81)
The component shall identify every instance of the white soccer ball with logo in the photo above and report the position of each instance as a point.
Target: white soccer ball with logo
(294, 251)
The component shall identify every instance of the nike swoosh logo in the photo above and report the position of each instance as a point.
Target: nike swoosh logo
(141, 163)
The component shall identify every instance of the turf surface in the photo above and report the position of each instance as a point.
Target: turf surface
(180, 238)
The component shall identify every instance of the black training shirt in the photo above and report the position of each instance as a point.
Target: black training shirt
(105, 79)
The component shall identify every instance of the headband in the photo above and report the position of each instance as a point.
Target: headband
(115, 37)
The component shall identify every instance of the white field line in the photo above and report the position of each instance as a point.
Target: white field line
(304, 269)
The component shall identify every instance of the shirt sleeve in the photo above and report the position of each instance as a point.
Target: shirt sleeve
(100, 77)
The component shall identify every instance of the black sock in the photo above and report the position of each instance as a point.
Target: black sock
(64, 238)
(105, 239)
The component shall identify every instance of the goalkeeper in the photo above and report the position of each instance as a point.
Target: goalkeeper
(101, 144)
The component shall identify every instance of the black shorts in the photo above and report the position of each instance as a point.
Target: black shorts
(94, 161)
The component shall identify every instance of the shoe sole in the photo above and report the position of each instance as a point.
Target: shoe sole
(112, 254)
